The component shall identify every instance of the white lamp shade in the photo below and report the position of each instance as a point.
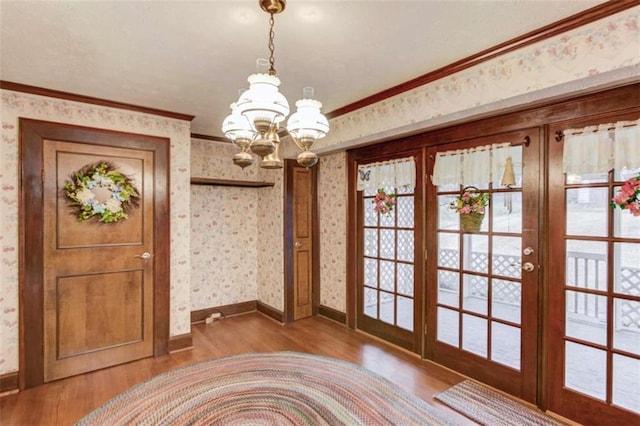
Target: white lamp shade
(263, 101)
(308, 121)
(236, 126)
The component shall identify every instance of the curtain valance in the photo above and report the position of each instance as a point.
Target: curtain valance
(472, 166)
(598, 149)
(387, 174)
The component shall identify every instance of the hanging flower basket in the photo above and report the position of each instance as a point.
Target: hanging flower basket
(470, 205)
(628, 196)
(471, 222)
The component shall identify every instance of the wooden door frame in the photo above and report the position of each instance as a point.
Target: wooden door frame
(289, 301)
(31, 238)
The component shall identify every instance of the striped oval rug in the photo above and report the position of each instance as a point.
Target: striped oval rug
(281, 388)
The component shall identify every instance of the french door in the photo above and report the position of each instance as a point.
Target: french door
(482, 288)
(593, 373)
(389, 275)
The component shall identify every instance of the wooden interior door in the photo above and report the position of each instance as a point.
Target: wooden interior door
(301, 243)
(593, 374)
(99, 287)
(482, 288)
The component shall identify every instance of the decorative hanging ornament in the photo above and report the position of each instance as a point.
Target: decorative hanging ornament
(98, 191)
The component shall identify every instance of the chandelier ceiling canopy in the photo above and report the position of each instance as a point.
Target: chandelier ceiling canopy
(254, 122)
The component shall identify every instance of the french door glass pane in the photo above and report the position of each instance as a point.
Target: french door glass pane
(447, 218)
(587, 210)
(371, 302)
(448, 250)
(405, 313)
(476, 291)
(506, 300)
(475, 256)
(370, 272)
(585, 370)
(371, 242)
(448, 326)
(448, 288)
(627, 267)
(626, 382)
(405, 212)
(405, 246)
(474, 334)
(507, 212)
(505, 344)
(626, 334)
(586, 264)
(405, 279)
(506, 256)
(586, 317)
(625, 225)
(387, 308)
(387, 275)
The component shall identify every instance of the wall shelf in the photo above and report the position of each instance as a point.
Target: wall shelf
(227, 182)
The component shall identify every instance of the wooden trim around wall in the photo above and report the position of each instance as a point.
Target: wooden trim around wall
(181, 342)
(209, 138)
(332, 314)
(9, 382)
(41, 91)
(271, 312)
(572, 22)
(225, 311)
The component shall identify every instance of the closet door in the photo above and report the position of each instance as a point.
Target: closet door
(593, 345)
(482, 287)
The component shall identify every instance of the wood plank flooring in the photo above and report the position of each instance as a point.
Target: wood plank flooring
(63, 402)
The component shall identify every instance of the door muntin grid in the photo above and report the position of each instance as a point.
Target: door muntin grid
(389, 285)
(601, 293)
(479, 276)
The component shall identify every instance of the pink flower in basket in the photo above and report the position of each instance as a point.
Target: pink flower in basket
(470, 202)
(628, 197)
(384, 202)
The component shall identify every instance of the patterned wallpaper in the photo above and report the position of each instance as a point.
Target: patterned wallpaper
(15, 105)
(332, 205)
(224, 244)
(602, 52)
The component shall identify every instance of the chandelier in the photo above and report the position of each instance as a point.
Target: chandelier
(254, 123)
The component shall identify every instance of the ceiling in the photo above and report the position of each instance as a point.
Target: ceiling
(192, 57)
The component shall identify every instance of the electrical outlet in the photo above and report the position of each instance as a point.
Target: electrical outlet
(215, 315)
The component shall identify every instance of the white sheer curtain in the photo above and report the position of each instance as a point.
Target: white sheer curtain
(387, 174)
(471, 166)
(598, 149)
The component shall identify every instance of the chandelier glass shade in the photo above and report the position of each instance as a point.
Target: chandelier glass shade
(255, 119)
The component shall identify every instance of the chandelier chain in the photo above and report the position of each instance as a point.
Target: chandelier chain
(272, 70)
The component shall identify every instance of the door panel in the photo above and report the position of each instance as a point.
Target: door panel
(593, 371)
(98, 296)
(88, 300)
(302, 197)
(482, 305)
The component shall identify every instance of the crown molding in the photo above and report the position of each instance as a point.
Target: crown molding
(34, 90)
(575, 21)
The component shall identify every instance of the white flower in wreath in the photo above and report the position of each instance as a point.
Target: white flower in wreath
(85, 195)
(113, 205)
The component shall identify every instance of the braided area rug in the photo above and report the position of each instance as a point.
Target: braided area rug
(490, 408)
(281, 388)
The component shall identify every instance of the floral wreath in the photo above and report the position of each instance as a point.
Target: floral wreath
(384, 202)
(103, 178)
(628, 197)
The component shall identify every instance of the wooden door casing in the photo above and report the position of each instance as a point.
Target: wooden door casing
(301, 258)
(36, 228)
